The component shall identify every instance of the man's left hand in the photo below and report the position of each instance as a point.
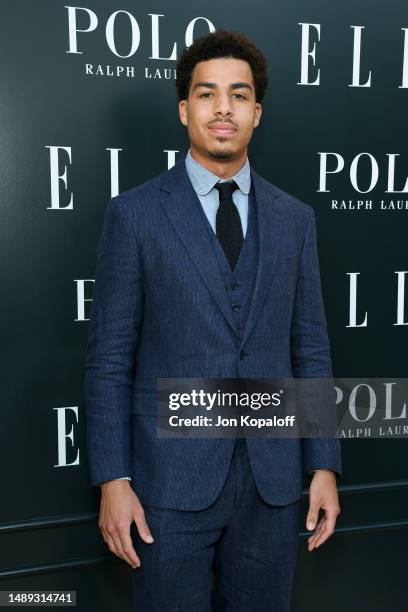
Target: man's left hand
(322, 494)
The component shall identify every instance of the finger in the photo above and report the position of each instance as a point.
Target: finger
(113, 541)
(127, 549)
(329, 528)
(313, 538)
(322, 537)
(142, 527)
(119, 534)
(109, 541)
(317, 530)
(312, 515)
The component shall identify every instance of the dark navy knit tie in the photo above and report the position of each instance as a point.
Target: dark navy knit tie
(228, 223)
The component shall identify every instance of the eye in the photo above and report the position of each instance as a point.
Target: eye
(240, 96)
(207, 93)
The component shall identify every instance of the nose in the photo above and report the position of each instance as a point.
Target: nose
(222, 104)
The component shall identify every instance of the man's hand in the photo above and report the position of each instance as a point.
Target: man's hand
(119, 507)
(322, 494)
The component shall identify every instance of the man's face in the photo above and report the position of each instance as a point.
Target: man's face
(221, 112)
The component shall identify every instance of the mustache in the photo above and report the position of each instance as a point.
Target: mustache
(226, 122)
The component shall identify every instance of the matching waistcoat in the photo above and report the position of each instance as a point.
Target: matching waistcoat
(239, 283)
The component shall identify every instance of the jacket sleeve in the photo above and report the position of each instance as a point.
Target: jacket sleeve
(310, 348)
(116, 316)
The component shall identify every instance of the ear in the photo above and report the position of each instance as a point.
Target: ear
(258, 113)
(183, 112)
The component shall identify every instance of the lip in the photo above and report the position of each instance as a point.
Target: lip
(219, 128)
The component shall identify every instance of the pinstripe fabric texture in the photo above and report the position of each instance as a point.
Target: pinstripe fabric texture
(162, 308)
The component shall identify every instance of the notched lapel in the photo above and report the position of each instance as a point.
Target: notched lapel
(181, 204)
(270, 240)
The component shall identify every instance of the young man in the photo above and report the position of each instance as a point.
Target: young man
(207, 271)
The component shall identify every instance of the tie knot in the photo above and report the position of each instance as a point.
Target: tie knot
(226, 189)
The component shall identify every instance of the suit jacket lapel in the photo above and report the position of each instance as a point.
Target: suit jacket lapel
(181, 204)
(269, 233)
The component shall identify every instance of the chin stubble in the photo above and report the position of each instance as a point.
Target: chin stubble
(221, 154)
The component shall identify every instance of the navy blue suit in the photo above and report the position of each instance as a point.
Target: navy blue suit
(162, 308)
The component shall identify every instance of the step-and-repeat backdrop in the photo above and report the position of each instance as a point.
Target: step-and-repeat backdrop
(88, 108)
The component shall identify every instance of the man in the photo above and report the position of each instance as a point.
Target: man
(207, 271)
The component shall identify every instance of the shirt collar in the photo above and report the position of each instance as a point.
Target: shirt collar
(203, 180)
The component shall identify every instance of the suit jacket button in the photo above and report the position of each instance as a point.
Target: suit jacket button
(235, 307)
(243, 354)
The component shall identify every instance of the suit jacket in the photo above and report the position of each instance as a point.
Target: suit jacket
(160, 309)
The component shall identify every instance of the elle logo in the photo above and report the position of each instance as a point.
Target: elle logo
(353, 300)
(60, 162)
(308, 57)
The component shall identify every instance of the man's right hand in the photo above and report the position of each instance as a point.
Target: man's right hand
(119, 507)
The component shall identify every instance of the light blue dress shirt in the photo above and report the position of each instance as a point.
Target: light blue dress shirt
(203, 181)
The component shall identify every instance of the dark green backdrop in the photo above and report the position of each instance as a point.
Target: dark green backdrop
(49, 537)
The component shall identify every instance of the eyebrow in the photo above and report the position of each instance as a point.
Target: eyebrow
(238, 85)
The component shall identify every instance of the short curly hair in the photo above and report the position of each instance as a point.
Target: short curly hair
(221, 43)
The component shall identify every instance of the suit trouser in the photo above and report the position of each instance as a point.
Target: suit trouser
(237, 555)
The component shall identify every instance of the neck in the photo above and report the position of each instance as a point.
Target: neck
(224, 168)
